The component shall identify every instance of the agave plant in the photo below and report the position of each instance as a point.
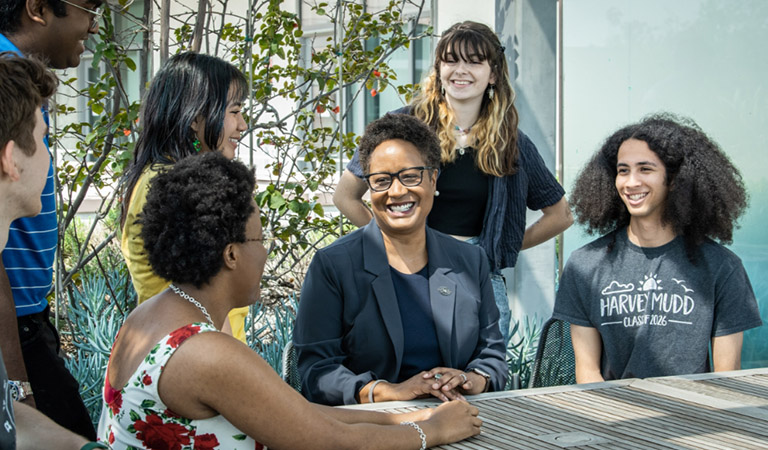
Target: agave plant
(96, 311)
(269, 327)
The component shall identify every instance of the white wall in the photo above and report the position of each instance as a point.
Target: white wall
(448, 12)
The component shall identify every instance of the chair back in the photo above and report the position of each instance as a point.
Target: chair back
(555, 364)
(290, 366)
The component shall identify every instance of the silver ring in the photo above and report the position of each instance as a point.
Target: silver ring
(463, 378)
(438, 376)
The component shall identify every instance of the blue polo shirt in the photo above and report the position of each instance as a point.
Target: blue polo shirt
(29, 254)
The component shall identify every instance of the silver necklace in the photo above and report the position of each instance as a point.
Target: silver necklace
(192, 300)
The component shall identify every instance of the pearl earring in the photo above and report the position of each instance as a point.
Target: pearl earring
(437, 193)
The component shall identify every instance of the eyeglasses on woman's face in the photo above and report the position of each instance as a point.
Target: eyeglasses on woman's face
(409, 177)
(265, 241)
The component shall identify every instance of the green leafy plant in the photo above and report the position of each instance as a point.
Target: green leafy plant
(521, 351)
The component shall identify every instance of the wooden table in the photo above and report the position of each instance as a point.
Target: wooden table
(727, 410)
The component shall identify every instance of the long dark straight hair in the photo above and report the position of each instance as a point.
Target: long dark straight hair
(187, 87)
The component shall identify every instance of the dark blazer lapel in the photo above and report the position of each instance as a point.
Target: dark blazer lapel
(442, 297)
(376, 263)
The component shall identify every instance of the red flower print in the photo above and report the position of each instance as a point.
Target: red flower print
(320, 109)
(147, 380)
(181, 335)
(259, 446)
(206, 442)
(114, 399)
(170, 414)
(374, 92)
(376, 73)
(156, 435)
(111, 438)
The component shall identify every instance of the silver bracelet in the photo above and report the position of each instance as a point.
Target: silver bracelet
(421, 433)
(370, 390)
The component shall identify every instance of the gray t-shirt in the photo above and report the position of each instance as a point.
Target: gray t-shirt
(7, 424)
(656, 312)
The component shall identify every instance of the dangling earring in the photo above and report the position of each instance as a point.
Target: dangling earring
(437, 193)
(196, 145)
(490, 92)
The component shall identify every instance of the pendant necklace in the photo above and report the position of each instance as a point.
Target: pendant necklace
(463, 130)
(192, 300)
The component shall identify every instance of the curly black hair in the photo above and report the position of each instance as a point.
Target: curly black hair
(706, 193)
(192, 213)
(400, 126)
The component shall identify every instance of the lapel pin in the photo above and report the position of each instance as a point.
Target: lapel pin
(444, 290)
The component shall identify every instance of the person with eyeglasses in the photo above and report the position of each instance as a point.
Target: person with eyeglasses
(397, 310)
(175, 381)
(55, 32)
(95, 13)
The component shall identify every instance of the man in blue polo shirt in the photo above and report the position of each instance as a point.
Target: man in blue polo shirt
(55, 31)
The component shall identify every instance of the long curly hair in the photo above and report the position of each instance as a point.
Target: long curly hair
(706, 193)
(495, 132)
(188, 86)
(192, 213)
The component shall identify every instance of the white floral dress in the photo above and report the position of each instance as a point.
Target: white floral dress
(136, 418)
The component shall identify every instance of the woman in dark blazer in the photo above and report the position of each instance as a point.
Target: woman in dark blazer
(396, 310)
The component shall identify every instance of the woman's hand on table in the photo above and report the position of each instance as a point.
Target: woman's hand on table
(454, 382)
(456, 421)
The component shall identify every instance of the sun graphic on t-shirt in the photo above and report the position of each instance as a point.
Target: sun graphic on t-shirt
(650, 283)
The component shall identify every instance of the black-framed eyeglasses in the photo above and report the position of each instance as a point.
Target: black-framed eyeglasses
(97, 13)
(409, 177)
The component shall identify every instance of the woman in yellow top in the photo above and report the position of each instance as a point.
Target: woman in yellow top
(193, 106)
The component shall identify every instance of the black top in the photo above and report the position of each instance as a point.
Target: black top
(420, 350)
(460, 207)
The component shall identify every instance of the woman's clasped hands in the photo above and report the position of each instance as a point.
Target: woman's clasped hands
(441, 382)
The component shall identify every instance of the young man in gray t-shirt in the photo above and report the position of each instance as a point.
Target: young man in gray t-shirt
(649, 297)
